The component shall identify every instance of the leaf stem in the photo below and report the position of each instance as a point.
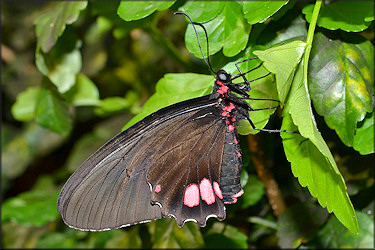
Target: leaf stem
(310, 37)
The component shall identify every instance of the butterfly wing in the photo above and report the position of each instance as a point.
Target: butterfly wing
(175, 147)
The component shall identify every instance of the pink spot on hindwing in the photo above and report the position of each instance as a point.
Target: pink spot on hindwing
(239, 154)
(231, 127)
(157, 189)
(218, 190)
(235, 141)
(207, 193)
(191, 197)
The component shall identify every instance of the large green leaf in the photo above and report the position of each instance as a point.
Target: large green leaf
(24, 107)
(202, 11)
(173, 88)
(351, 16)
(50, 25)
(134, 10)
(282, 61)
(341, 81)
(62, 64)
(52, 112)
(228, 31)
(260, 11)
(311, 159)
(313, 170)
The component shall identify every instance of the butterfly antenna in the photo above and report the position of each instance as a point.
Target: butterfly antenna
(196, 34)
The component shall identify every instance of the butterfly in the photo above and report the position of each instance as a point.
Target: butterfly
(183, 161)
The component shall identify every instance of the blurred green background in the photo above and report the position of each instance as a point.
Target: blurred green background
(118, 64)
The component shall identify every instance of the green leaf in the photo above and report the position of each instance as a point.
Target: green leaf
(341, 81)
(334, 236)
(253, 192)
(291, 225)
(202, 11)
(166, 234)
(52, 112)
(62, 64)
(313, 170)
(35, 207)
(84, 92)
(364, 138)
(112, 104)
(274, 34)
(225, 236)
(351, 16)
(173, 88)
(282, 61)
(134, 10)
(50, 25)
(228, 31)
(260, 11)
(24, 107)
(299, 107)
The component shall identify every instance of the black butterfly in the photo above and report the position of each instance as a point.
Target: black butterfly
(182, 161)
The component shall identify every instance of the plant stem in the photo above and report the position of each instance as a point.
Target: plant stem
(265, 175)
(310, 37)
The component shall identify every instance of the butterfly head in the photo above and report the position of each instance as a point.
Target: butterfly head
(223, 77)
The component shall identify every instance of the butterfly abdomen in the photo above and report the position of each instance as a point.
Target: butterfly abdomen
(231, 169)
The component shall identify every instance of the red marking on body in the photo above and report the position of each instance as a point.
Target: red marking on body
(234, 197)
(207, 193)
(227, 122)
(225, 114)
(223, 90)
(231, 127)
(218, 190)
(191, 197)
(235, 141)
(229, 108)
(157, 189)
(219, 83)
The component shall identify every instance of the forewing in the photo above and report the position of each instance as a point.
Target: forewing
(110, 189)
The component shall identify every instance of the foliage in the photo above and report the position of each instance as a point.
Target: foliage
(96, 63)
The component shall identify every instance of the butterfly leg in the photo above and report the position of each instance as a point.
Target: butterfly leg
(269, 130)
(247, 86)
